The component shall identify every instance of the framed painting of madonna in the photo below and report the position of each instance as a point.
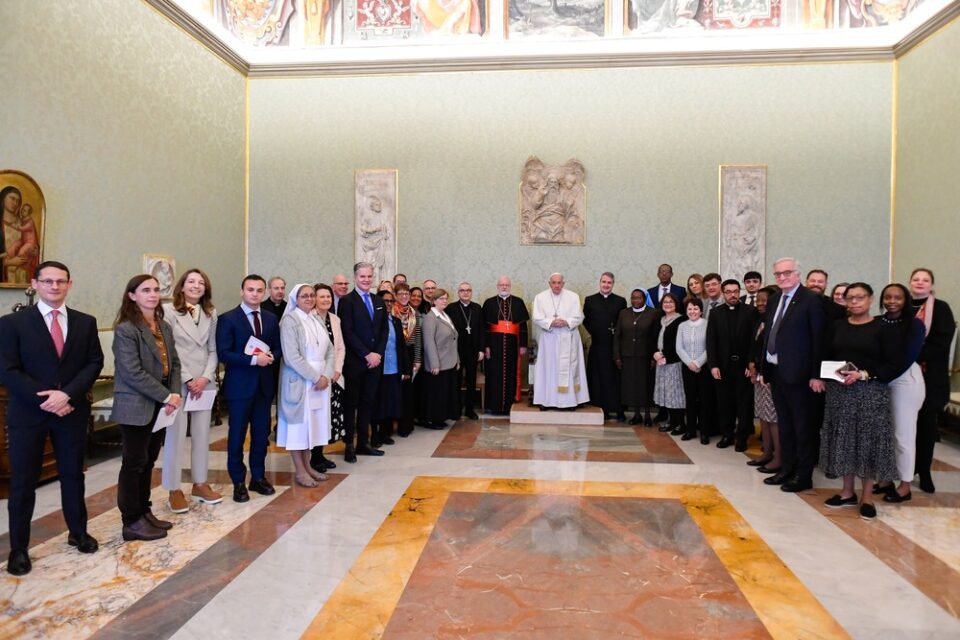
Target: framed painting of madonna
(21, 242)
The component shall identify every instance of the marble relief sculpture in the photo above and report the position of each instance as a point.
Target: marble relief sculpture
(743, 213)
(553, 203)
(376, 221)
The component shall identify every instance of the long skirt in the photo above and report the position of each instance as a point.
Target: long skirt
(336, 413)
(633, 382)
(442, 392)
(857, 435)
(668, 389)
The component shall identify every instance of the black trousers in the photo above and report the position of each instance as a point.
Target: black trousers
(140, 450)
(926, 435)
(734, 403)
(360, 398)
(799, 435)
(26, 460)
(697, 389)
(467, 378)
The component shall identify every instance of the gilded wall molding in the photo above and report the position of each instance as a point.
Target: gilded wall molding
(193, 28)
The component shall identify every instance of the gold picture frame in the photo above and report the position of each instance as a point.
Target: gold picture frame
(24, 211)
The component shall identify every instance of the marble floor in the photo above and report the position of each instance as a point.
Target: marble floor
(492, 530)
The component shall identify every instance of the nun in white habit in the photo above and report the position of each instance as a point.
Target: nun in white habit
(308, 360)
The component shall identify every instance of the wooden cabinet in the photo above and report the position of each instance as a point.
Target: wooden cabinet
(49, 469)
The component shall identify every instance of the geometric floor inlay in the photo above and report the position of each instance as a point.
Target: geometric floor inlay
(496, 558)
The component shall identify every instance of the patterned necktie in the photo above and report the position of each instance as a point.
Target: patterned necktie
(257, 327)
(56, 332)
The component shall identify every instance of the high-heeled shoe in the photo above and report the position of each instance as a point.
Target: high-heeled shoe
(759, 462)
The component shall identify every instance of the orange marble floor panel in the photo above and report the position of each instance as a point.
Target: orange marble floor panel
(935, 578)
(758, 591)
(537, 442)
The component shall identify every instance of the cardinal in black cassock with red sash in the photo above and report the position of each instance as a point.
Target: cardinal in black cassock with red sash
(505, 319)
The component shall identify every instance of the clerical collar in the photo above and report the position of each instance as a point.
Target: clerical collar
(639, 309)
(504, 295)
(605, 295)
(465, 304)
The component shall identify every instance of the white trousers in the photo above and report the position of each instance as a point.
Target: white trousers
(174, 444)
(906, 395)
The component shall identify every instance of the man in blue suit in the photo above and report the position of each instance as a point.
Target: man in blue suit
(790, 364)
(363, 320)
(249, 384)
(50, 357)
(665, 276)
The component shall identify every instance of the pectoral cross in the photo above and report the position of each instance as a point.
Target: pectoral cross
(468, 329)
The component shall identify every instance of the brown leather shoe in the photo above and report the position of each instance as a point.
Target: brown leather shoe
(178, 503)
(157, 522)
(142, 530)
(203, 493)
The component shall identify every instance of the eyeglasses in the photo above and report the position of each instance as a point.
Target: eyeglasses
(464, 290)
(47, 282)
(783, 274)
(306, 296)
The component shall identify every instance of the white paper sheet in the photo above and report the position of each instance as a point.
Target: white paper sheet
(203, 403)
(828, 370)
(256, 346)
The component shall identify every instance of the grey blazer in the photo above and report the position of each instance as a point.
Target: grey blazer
(296, 374)
(137, 385)
(439, 343)
(196, 344)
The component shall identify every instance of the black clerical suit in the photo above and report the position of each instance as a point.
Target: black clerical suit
(28, 364)
(603, 379)
(468, 320)
(730, 332)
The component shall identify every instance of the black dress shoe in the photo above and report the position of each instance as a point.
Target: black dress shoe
(740, 446)
(664, 428)
(868, 512)
(542, 408)
(759, 462)
(725, 442)
(436, 426)
(883, 489)
(262, 486)
(18, 563)
(84, 542)
(389, 441)
(349, 455)
(142, 530)
(375, 443)
(838, 502)
(157, 522)
(472, 415)
(779, 478)
(240, 493)
(766, 469)
(688, 436)
(795, 484)
(329, 464)
(678, 430)
(704, 439)
(896, 498)
(368, 451)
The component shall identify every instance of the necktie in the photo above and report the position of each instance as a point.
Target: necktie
(772, 341)
(366, 299)
(56, 332)
(750, 301)
(257, 327)
(714, 303)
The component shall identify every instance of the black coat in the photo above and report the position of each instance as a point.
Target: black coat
(730, 332)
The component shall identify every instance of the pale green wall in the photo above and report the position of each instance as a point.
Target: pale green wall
(651, 140)
(134, 132)
(928, 163)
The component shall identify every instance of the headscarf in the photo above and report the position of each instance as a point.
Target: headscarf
(311, 321)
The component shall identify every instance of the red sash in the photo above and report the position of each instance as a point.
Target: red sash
(513, 329)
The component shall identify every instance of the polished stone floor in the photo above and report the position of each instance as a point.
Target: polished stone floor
(489, 530)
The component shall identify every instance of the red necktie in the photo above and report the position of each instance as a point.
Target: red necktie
(56, 332)
(257, 328)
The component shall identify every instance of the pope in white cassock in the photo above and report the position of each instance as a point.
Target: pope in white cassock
(560, 373)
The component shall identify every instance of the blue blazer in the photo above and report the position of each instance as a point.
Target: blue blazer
(241, 379)
(29, 363)
(653, 293)
(801, 337)
(361, 335)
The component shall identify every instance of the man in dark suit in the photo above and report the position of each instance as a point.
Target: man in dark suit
(249, 384)
(665, 276)
(341, 287)
(50, 356)
(363, 321)
(752, 281)
(817, 282)
(600, 313)
(729, 338)
(466, 317)
(790, 364)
